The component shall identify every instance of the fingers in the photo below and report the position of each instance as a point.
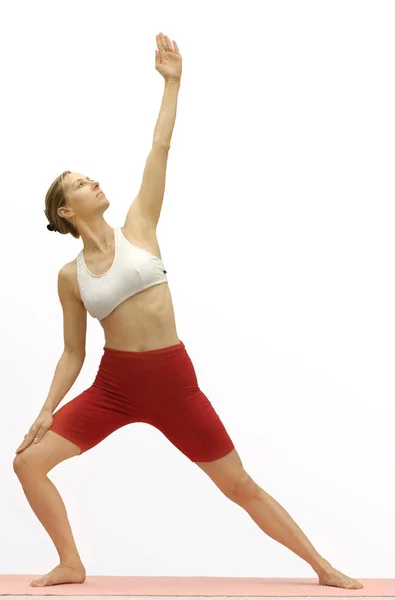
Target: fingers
(24, 445)
(28, 440)
(163, 42)
(159, 43)
(40, 433)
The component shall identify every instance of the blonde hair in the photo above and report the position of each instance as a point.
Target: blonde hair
(54, 199)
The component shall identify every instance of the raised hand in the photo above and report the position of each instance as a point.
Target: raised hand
(168, 60)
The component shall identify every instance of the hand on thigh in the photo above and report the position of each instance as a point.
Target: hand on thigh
(51, 450)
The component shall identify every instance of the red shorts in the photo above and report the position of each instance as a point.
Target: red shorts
(158, 387)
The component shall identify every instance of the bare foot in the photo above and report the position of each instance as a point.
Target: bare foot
(62, 574)
(334, 578)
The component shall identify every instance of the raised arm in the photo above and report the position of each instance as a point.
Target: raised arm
(149, 200)
(148, 203)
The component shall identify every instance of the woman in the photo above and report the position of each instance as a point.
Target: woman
(145, 374)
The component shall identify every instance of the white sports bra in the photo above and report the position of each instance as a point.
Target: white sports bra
(132, 271)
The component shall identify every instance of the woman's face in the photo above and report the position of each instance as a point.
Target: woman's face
(84, 196)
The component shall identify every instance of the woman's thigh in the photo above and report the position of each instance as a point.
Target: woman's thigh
(92, 416)
(175, 405)
(192, 425)
(78, 426)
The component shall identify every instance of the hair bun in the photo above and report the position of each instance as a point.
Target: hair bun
(51, 227)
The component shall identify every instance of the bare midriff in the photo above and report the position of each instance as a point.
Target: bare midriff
(146, 321)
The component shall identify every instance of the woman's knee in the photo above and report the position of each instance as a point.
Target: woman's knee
(51, 450)
(245, 489)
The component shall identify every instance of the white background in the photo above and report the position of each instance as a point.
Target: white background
(277, 233)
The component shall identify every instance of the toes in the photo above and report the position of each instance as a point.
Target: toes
(38, 583)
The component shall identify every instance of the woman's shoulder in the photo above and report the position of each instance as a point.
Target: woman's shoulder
(69, 269)
(69, 272)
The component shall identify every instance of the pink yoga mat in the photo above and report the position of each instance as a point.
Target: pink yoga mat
(98, 585)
